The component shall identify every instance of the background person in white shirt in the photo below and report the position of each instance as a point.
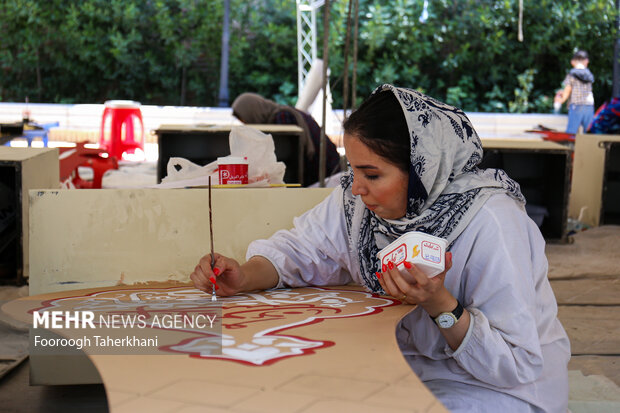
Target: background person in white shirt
(413, 167)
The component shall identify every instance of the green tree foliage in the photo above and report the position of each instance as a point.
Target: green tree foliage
(96, 50)
(265, 47)
(465, 52)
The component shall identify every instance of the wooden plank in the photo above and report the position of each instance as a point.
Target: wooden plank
(592, 330)
(587, 291)
(608, 366)
(593, 253)
(8, 363)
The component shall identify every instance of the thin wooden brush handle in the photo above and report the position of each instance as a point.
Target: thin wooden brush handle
(211, 226)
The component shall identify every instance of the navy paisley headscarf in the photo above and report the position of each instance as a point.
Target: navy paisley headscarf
(446, 188)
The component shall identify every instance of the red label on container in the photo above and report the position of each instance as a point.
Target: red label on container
(233, 174)
(397, 255)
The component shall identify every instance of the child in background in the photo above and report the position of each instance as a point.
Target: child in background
(578, 87)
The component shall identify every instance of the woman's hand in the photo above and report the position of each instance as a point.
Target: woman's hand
(226, 275)
(430, 293)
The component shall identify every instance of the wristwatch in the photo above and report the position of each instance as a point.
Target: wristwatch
(447, 320)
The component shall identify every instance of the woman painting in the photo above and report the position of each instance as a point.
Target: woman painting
(484, 335)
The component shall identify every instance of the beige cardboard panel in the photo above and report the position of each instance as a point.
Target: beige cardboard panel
(39, 172)
(8, 153)
(89, 238)
(587, 184)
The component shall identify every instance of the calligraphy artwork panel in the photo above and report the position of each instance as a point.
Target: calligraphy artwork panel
(318, 348)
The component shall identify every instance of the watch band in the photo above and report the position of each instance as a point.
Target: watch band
(457, 312)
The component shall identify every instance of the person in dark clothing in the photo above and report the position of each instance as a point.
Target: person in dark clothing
(253, 108)
(607, 118)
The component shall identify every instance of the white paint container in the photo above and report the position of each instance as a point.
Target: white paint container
(233, 170)
(426, 252)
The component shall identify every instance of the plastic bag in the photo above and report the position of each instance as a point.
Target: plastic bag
(244, 141)
(259, 150)
(182, 173)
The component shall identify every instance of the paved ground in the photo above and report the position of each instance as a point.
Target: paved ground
(584, 274)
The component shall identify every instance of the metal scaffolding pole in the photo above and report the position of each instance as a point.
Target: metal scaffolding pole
(306, 39)
(323, 146)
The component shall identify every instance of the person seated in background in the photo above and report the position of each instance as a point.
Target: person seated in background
(254, 109)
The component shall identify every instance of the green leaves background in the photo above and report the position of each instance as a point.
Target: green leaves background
(168, 51)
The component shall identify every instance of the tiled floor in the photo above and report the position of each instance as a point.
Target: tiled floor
(17, 396)
(585, 276)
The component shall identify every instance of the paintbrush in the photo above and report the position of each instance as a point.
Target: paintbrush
(213, 297)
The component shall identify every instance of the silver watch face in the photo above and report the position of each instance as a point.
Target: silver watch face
(446, 320)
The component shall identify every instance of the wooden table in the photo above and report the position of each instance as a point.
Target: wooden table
(307, 349)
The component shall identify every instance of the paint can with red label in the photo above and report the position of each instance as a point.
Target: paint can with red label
(233, 170)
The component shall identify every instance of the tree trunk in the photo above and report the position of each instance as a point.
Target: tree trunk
(183, 84)
(39, 80)
(223, 97)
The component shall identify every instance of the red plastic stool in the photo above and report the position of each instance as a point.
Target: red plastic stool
(122, 114)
